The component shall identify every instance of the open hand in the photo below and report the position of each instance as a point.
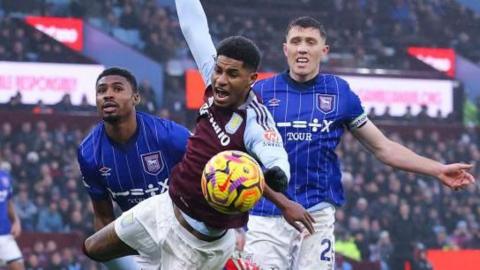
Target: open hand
(456, 176)
(294, 213)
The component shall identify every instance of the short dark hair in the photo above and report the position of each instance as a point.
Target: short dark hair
(242, 49)
(307, 22)
(120, 72)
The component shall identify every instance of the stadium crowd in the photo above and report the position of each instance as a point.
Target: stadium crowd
(379, 219)
(21, 43)
(376, 34)
(383, 206)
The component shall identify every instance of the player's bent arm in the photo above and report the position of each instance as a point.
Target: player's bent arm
(103, 213)
(14, 219)
(263, 141)
(194, 25)
(292, 211)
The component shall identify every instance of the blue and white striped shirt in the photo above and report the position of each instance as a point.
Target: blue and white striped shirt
(311, 117)
(136, 170)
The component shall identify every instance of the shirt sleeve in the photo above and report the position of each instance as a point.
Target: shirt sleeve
(91, 179)
(262, 139)
(356, 115)
(194, 25)
(179, 140)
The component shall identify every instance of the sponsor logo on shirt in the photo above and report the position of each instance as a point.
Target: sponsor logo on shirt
(325, 103)
(271, 138)
(136, 194)
(305, 129)
(221, 134)
(152, 162)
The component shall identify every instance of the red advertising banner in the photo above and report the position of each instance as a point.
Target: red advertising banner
(454, 259)
(440, 59)
(69, 31)
(195, 87)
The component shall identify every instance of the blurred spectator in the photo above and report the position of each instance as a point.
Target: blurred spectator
(423, 116)
(64, 105)
(403, 235)
(49, 219)
(420, 261)
(26, 210)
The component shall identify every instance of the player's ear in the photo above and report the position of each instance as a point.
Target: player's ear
(285, 49)
(253, 78)
(136, 99)
(326, 49)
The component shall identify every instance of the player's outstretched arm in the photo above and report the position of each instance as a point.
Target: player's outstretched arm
(454, 176)
(293, 212)
(194, 25)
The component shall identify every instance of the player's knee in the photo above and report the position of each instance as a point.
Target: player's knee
(16, 265)
(92, 249)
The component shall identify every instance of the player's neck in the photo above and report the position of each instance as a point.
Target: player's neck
(302, 78)
(122, 131)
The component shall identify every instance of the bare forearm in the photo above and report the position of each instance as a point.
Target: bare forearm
(103, 213)
(275, 197)
(12, 215)
(400, 157)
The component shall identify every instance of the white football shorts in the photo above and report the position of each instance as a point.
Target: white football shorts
(152, 229)
(9, 250)
(274, 244)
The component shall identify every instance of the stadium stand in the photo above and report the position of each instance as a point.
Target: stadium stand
(38, 142)
(50, 196)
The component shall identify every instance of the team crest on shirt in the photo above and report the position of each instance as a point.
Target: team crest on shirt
(325, 103)
(152, 162)
(235, 122)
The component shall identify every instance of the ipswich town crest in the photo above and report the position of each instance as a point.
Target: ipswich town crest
(152, 162)
(325, 103)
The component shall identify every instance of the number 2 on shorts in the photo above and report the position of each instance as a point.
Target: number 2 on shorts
(324, 255)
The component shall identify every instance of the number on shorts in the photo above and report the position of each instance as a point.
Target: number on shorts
(324, 255)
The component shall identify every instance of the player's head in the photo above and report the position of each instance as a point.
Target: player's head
(235, 71)
(117, 94)
(305, 46)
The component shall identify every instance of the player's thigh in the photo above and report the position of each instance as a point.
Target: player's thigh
(317, 250)
(144, 228)
(106, 245)
(9, 251)
(269, 242)
(182, 250)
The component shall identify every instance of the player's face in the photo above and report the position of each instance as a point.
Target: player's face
(231, 82)
(116, 99)
(304, 49)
